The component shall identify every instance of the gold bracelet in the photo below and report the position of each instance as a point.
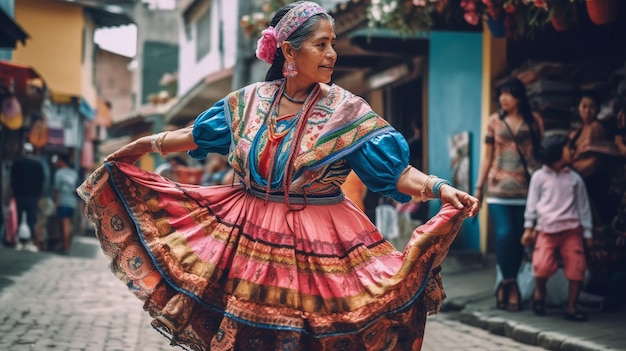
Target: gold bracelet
(153, 143)
(425, 185)
(157, 142)
(163, 134)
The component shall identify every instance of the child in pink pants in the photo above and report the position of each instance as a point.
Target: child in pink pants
(557, 217)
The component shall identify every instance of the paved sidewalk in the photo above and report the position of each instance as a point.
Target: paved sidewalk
(469, 285)
(71, 303)
(67, 303)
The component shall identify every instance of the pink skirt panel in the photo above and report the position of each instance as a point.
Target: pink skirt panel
(219, 263)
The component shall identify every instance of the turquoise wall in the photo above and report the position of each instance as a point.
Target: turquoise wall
(454, 105)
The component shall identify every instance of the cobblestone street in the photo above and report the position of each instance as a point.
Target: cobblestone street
(74, 302)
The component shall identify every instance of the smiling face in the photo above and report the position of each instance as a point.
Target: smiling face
(317, 56)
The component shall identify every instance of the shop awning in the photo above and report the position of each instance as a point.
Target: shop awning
(86, 110)
(10, 31)
(389, 41)
(18, 75)
(104, 18)
(107, 13)
(202, 96)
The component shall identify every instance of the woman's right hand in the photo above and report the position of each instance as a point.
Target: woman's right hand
(459, 199)
(131, 152)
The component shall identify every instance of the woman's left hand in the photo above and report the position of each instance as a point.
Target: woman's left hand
(459, 199)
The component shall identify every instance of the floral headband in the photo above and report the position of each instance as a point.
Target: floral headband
(271, 37)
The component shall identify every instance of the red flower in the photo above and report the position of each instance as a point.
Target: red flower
(471, 17)
(510, 8)
(541, 4)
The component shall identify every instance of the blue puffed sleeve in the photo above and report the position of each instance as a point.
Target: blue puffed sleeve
(379, 163)
(211, 132)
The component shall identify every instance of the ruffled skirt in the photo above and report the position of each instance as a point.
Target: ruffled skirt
(221, 269)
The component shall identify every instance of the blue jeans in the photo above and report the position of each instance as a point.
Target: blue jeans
(508, 226)
(65, 212)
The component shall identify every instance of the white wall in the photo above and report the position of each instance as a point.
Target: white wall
(191, 71)
(88, 88)
(66, 117)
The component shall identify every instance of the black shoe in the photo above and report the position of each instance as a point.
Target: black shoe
(515, 307)
(539, 307)
(576, 316)
(502, 301)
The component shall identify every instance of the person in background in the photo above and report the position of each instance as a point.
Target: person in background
(168, 169)
(217, 171)
(64, 185)
(27, 185)
(355, 190)
(596, 157)
(281, 260)
(46, 202)
(615, 291)
(557, 218)
(511, 145)
(593, 152)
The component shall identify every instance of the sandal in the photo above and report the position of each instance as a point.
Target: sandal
(539, 307)
(576, 316)
(515, 307)
(502, 301)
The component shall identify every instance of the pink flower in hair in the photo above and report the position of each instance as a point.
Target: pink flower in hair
(267, 45)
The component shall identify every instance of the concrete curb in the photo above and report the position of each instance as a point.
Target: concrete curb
(527, 334)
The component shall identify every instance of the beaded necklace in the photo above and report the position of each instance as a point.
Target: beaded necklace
(292, 99)
(300, 122)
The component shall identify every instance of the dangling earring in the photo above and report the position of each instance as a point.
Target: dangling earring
(290, 69)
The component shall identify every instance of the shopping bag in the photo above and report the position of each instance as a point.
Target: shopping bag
(526, 281)
(12, 223)
(23, 232)
(387, 221)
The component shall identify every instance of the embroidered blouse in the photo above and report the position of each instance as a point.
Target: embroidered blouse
(343, 133)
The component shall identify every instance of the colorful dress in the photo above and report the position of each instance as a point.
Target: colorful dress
(243, 268)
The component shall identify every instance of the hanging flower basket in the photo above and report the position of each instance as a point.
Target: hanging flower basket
(602, 11)
(519, 17)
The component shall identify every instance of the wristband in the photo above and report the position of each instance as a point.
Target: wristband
(437, 186)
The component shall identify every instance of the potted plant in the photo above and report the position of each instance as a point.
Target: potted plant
(408, 17)
(510, 18)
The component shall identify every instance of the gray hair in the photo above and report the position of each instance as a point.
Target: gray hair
(306, 30)
(296, 39)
